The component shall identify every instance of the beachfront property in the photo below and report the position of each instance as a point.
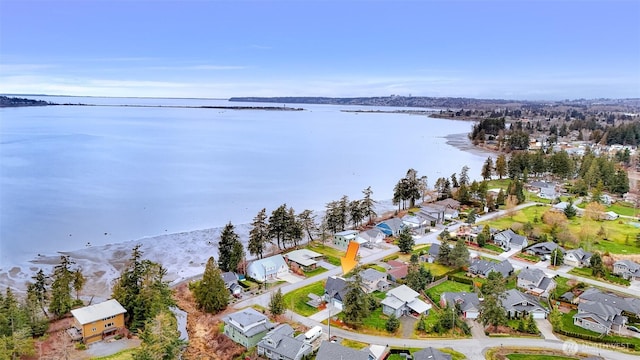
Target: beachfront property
(246, 327)
(391, 227)
(268, 269)
(627, 269)
(372, 236)
(404, 301)
(280, 344)
(578, 258)
(342, 239)
(535, 281)
(97, 322)
(304, 259)
(231, 282)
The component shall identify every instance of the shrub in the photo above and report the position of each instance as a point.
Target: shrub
(392, 324)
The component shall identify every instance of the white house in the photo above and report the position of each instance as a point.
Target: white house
(268, 269)
(627, 269)
(371, 236)
(342, 239)
(577, 258)
(404, 301)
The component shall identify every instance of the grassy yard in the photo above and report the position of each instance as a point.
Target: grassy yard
(447, 286)
(528, 257)
(493, 248)
(562, 286)
(376, 267)
(567, 324)
(436, 269)
(586, 272)
(331, 255)
(314, 272)
(297, 299)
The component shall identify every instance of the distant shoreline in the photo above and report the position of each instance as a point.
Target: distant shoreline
(271, 108)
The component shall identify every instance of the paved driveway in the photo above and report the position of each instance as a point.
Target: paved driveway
(106, 348)
(290, 278)
(546, 329)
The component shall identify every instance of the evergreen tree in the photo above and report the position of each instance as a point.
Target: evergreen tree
(501, 166)
(487, 169)
(160, 339)
(368, 204)
(406, 242)
(557, 257)
(501, 198)
(356, 303)
(210, 293)
(495, 285)
(570, 212)
(392, 324)
(276, 304)
(230, 249)
(294, 230)
(492, 312)
(356, 214)
(259, 234)
(278, 225)
(78, 282)
(471, 216)
(597, 267)
(445, 254)
(61, 300)
(459, 255)
(454, 181)
(307, 221)
(39, 290)
(422, 324)
(532, 327)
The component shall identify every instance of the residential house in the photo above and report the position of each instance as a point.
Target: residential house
(280, 344)
(372, 236)
(335, 290)
(545, 190)
(404, 301)
(609, 216)
(627, 269)
(509, 240)
(535, 281)
(391, 227)
(378, 352)
(303, 259)
(518, 304)
(246, 327)
(430, 354)
(231, 282)
(544, 249)
(599, 317)
(268, 269)
(577, 258)
(99, 321)
(435, 213)
(467, 302)
(335, 351)
(397, 270)
(374, 280)
(482, 268)
(449, 203)
(561, 206)
(413, 221)
(432, 255)
(342, 239)
(630, 305)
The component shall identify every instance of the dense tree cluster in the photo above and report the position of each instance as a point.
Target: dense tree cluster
(407, 190)
(20, 321)
(209, 292)
(624, 134)
(230, 249)
(283, 227)
(342, 213)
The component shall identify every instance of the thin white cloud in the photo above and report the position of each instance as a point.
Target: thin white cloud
(22, 68)
(199, 67)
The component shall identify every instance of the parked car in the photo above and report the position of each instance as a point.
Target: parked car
(633, 328)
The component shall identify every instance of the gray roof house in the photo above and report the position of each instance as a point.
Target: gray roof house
(231, 282)
(543, 249)
(628, 304)
(404, 301)
(508, 240)
(372, 236)
(391, 227)
(519, 304)
(482, 268)
(627, 269)
(599, 317)
(430, 354)
(435, 212)
(577, 258)
(279, 344)
(268, 268)
(335, 290)
(535, 281)
(432, 254)
(342, 239)
(335, 351)
(468, 303)
(303, 258)
(246, 327)
(373, 280)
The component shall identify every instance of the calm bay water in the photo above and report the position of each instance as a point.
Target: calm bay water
(72, 175)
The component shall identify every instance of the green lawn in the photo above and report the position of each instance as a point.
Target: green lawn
(297, 299)
(497, 183)
(562, 286)
(314, 272)
(454, 354)
(586, 272)
(531, 258)
(331, 255)
(538, 357)
(493, 248)
(451, 286)
(436, 269)
(377, 267)
(567, 324)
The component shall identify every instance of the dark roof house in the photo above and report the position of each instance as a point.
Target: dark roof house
(280, 344)
(335, 351)
(430, 354)
(482, 268)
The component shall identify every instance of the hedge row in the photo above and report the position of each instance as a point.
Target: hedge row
(448, 273)
(461, 279)
(596, 339)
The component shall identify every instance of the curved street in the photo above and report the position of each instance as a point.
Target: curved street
(472, 348)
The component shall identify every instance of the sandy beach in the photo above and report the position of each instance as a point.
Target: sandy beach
(183, 254)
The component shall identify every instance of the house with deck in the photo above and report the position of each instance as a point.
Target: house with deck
(99, 321)
(371, 236)
(391, 227)
(246, 327)
(404, 301)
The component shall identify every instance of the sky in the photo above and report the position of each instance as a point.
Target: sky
(526, 50)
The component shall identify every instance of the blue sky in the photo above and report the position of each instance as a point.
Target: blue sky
(490, 49)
